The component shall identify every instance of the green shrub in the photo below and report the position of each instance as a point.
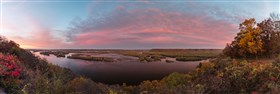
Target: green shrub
(175, 79)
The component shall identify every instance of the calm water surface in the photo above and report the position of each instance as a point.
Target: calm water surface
(121, 72)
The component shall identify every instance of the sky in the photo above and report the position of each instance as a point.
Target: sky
(128, 24)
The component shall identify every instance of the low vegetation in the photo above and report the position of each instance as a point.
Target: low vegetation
(56, 53)
(179, 54)
(191, 58)
(90, 58)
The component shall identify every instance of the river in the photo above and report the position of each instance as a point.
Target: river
(131, 73)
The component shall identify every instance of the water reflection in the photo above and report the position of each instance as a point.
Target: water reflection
(121, 72)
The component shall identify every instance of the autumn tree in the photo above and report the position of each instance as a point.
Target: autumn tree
(248, 42)
(270, 37)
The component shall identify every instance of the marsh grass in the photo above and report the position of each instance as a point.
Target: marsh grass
(91, 58)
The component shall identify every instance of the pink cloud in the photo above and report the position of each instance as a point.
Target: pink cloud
(132, 27)
(159, 40)
(34, 35)
(93, 38)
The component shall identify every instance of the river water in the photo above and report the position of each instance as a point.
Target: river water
(131, 73)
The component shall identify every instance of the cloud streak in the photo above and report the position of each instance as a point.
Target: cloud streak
(152, 28)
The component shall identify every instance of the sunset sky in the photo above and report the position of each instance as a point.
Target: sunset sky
(128, 24)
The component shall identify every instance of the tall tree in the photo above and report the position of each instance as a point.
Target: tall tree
(270, 37)
(251, 42)
(248, 42)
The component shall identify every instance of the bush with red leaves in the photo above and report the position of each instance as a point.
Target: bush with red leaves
(9, 73)
(8, 66)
